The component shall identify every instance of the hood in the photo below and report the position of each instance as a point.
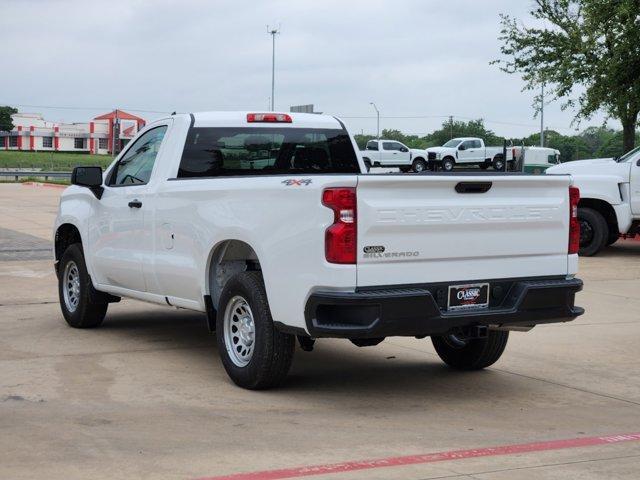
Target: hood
(438, 149)
(596, 166)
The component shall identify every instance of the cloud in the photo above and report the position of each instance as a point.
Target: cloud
(413, 58)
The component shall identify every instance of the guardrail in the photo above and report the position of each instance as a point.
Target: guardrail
(46, 175)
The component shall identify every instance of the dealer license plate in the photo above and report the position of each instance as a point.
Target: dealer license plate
(468, 297)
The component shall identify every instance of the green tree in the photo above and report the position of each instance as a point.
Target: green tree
(457, 128)
(6, 124)
(592, 44)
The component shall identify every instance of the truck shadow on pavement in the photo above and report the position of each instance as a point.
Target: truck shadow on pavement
(335, 368)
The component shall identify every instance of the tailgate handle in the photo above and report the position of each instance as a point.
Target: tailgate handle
(473, 187)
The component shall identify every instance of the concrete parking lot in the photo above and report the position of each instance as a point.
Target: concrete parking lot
(145, 396)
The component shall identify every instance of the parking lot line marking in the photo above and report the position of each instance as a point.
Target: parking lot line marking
(451, 455)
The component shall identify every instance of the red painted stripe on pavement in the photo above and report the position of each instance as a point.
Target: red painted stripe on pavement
(429, 458)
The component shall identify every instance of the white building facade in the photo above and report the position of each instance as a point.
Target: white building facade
(32, 132)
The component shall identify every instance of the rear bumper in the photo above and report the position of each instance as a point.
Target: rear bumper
(421, 310)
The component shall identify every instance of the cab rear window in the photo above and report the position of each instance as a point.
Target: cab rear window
(214, 152)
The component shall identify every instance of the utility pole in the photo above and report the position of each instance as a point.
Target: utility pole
(542, 116)
(378, 124)
(450, 126)
(273, 32)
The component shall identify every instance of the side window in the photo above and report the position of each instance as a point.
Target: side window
(468, 144)
(136, 165)
(387, 146)
(372, 145)
(476, 144)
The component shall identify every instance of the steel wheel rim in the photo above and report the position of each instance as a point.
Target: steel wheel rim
(419, 167)
(71, 286)
(586, 233)
(239, 331)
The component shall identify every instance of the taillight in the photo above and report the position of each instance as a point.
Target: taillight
(268, 118)
(574, 224)
(340, 239)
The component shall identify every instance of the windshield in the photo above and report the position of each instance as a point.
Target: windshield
(627, 156)
(452, 143)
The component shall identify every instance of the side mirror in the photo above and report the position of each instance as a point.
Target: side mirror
(462, 147)
(638, 163)
(90, 177)
(404, 149)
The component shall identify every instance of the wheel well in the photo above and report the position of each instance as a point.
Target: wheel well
(605, 209)
(228, 258)
(498, 156)
(449, 157)
(66, 235)
(419, 158)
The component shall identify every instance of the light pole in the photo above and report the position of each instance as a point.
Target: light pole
(273, 32)
(542, 116)
(378, 125)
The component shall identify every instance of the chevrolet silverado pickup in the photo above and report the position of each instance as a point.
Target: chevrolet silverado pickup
(268, 224)
(610, 198)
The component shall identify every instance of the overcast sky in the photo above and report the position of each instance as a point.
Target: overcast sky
(425, 58)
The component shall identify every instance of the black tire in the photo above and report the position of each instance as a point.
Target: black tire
(448, 164)
(472, 354)
(419, 165)
(594, 231)
(272, 350)
(81, 309)
(612, 238)
(498, 163)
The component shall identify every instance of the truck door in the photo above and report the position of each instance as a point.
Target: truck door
(395, 153)
(121, 242)
(467, 152)
(634, 185)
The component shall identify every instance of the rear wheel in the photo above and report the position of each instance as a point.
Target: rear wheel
(448, 164)
(594, 231)
(255, 355)
(419, 165)
(79, 302)
(498, 163)
(473, 353)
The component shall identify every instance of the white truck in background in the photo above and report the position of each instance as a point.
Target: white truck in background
(609, 198)
(391, 153)
(468, 151)
(266, 223)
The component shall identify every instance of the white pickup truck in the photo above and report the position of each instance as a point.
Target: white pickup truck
(468, 151)
(391, 153)
(610, 198)
(266, 223)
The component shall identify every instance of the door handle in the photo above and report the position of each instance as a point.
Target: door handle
(135, 204)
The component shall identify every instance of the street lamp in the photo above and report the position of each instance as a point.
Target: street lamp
(273, 32)
(378, 114)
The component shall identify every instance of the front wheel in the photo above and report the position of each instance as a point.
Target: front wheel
(448, 164)
(473, 353)
(78, 300)
(594, 231)
(255, 355)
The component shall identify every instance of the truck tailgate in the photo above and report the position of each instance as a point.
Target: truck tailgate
(435, 228)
